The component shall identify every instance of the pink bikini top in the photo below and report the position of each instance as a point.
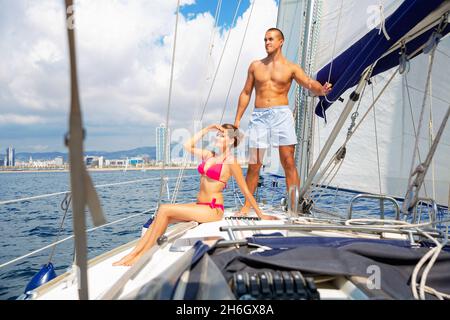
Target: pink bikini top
(213, 171)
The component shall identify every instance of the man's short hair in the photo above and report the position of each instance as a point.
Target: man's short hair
(278, 30)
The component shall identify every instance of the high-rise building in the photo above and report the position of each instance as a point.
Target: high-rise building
(10, 157)
(162, 134)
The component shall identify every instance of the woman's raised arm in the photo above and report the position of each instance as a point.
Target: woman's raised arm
(237, 174)
(190, 144)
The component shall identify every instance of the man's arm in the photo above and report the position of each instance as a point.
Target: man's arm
(313, 85)
(245, 95)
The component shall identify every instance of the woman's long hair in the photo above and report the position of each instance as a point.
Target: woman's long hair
(235, 134)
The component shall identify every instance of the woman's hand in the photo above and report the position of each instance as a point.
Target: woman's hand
(267, 217)
(217, 127)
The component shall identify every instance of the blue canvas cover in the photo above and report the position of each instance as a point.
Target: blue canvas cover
(348, 67)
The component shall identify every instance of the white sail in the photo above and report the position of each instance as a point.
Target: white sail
(394, 123)
(292, 21)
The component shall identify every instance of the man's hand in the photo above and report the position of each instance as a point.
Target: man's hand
(326, 88)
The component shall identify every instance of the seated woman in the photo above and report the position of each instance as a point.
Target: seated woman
(215, 171)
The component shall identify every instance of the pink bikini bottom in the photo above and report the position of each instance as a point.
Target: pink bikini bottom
(213, 204)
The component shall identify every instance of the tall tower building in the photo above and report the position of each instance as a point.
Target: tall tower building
(10, 157)
(161, 133)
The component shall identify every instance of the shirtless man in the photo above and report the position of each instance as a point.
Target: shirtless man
(272, 120)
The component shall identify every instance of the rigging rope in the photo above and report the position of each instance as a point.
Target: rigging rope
(350, 133)
(209, 55)
(68, 192)
(163, 167)
(413, 124)
(71, 236)
(237, 62)
(376, 143)
(333, 52)
(175, 193)
(408, 199)
(220, 60)
(65, 205)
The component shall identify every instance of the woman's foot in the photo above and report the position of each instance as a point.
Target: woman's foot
(125, 260)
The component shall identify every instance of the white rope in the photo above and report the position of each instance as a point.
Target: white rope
(70, 237)
(334, 44)
(180, 175)
(371, 106)
(414, 125)
(376, 144)
(220, 61)
(350, 133)
(382, 22)
(66, 192)
(327, 185)
(397, 224)
(406, 203)
(163, 166)
(209, 55)
(431, 137)
(216, 23)
(237, 62)
(433, 253)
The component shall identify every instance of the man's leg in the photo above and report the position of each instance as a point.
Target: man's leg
(254, 166)
(288, 162)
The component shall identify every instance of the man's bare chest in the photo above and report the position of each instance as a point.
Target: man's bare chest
(281, 75)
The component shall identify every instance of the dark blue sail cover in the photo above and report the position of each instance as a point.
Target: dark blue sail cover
(348, 67)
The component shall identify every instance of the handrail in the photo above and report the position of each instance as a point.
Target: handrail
(70, 237)
(430, 203)
(65, 192)
(382, 198)
(316, 227)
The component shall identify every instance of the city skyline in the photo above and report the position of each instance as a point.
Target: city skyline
(124, 68)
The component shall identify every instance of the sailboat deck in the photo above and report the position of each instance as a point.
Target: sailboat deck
(103, 275)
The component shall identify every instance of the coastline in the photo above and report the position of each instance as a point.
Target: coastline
(95, 169)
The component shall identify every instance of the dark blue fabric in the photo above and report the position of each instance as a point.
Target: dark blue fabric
(194, 277)
(336, 242)
(348, 67)
(200, 250)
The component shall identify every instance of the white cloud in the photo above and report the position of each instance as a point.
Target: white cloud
(8, 119)
(124, 57)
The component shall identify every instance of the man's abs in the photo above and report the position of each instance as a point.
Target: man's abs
(264, 102)
(272, 87)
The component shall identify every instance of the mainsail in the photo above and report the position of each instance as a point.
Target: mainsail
(379, 154)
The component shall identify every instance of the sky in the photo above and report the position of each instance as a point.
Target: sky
(124, 52)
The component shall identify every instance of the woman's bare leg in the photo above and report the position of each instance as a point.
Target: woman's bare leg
(140, 245)
(167, 214)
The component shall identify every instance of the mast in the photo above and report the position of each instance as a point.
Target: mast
(298, 19)
(304, 115)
